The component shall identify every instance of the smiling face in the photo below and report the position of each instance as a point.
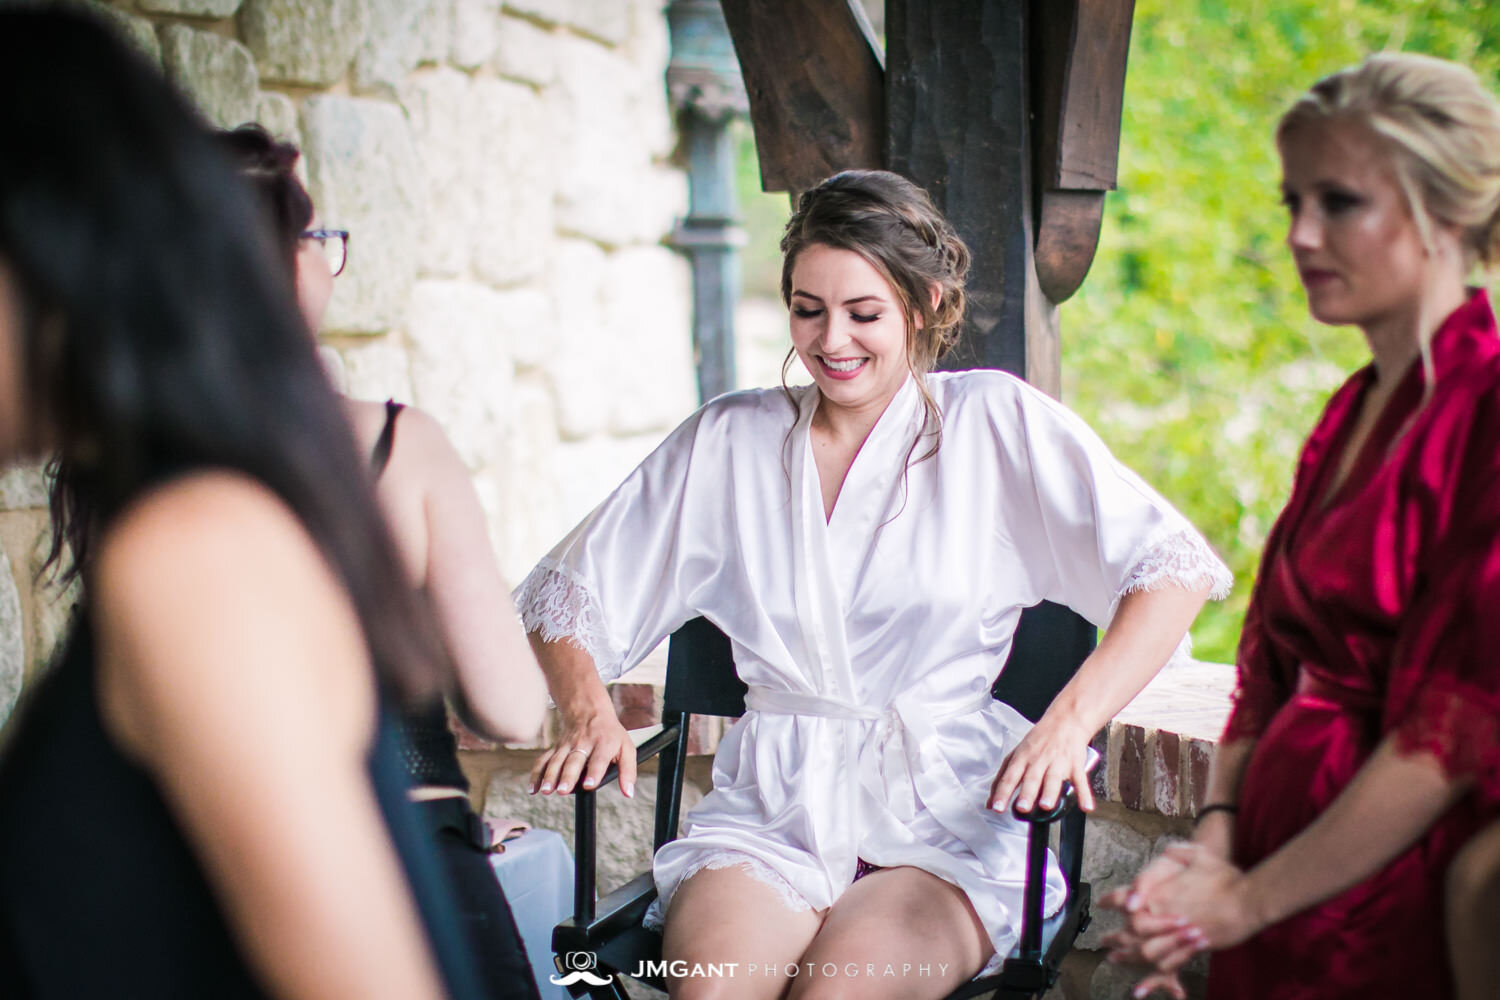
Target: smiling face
(848, 328)
(1356, 245)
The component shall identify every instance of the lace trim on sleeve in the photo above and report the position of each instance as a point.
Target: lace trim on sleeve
(1181, 559)
(1459, 725)
(556, 604)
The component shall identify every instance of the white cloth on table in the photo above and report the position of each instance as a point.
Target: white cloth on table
(870, 639)
(536, 874)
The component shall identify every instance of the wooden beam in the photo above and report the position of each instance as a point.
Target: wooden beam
(957, 92)
(816, 81)
(1079, 82)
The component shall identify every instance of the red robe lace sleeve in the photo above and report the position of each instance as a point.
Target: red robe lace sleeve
(1443, 692)
(1376, 616)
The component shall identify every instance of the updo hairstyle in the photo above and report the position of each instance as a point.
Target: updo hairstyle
(893, 225)
(1443, 130)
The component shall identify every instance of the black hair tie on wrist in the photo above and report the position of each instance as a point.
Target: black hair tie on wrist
(1225, 807)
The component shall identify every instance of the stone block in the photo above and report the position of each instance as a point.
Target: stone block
(608, 22)
(646, 297)
(625, 826)
(529, 333)
(435, 32)
(54, 604)
(475, 32)
(588, 471)
(1165, 753)
(12, 640)
(435, 101)
(1099, 776)
(509, 183)
(1114, 852)
(23, 486)
(531, 519)
(578, 366)
(607, 113)
(1199, 759)
(364, 175)
(192, 8)
(650, 43)
(137, 31)
(381, 370)
(1128, 765)
(524, 51)
(217, 73)
(461, 372)
(277, 114)
(397, 37)
(309, 42)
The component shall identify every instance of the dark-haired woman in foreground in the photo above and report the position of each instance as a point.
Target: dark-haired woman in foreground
(439, 528)
(203, 797)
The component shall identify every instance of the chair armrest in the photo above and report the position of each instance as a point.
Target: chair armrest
(646, 751)
(1032, 917)
(616, 912)
(1065, 801)
(583, 826)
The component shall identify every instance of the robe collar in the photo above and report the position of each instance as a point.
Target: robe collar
(831, 553)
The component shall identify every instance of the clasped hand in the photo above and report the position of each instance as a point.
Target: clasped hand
(1188, 900)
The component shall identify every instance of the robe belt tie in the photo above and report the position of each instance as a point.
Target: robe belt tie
(1309, 684)
(901, 757)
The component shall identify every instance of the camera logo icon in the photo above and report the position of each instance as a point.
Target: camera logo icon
(579, 966)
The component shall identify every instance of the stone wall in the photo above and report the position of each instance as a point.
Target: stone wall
(505, 171)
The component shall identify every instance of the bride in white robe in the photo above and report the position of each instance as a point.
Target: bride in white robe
(869, 616)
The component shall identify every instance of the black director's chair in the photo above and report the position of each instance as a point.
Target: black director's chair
(1050, 644)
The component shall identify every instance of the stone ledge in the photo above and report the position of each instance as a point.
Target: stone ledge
(1158, 749)
(1155, 754)
(638, 702)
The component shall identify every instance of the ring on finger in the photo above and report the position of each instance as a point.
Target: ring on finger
(575, 750)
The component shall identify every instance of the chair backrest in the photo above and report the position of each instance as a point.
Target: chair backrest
(1051, 642)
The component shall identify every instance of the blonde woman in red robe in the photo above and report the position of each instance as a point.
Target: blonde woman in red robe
(1363, 749)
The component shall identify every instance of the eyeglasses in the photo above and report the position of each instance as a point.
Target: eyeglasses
(335, 244)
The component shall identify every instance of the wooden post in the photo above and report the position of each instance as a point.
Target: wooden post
(957, 106)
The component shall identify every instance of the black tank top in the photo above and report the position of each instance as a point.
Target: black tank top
(100, 893)
(427, 745)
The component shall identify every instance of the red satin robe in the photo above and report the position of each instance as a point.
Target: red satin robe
(1377, 611)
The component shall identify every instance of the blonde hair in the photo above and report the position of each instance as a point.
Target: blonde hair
(1442, 128)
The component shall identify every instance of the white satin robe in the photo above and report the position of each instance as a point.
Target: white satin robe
(869, 641)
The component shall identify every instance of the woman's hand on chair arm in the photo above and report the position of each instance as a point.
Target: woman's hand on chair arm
(1147, 627)
(592, 737)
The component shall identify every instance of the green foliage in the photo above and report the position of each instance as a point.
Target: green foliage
(1189, 347)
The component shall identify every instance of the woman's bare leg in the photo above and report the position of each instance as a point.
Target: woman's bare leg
(724, 916)
(904, 921)
(1473, 904)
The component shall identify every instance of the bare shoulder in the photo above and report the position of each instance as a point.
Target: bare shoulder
(204, 525)
(213, 604)
(422, 450)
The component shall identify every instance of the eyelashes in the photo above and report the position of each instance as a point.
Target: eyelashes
(801, 312)
(1331, 202)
